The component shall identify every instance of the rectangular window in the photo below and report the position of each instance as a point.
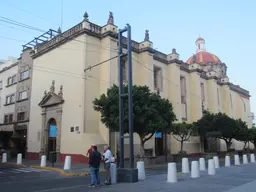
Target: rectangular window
(8, 118)
(218, 97)
(202, 92)
(21, 116)
(183, 90)
(24, 75)
(125, 70)
(231, 103)
(158, 79)
(23, 95)
(11, 80)
(10, 99)
(1, 84)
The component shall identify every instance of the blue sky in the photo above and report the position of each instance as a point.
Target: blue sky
(228, 27)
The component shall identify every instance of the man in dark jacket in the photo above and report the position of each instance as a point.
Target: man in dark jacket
(94, 163)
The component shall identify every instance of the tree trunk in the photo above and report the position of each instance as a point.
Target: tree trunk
(142, 150)
(181, 146)
(245, 144)
(228, 144)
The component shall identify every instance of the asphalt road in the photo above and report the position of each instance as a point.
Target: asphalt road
(19, 179)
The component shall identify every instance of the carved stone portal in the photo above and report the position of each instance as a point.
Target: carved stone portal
(51, 105)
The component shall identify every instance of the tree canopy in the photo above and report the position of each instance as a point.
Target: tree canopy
(151, 113)
(182, 132)
(222, 126)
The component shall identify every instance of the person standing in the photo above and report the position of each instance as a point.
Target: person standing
(94, 164)
(107, 163)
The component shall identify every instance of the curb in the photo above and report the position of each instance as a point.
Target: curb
(62, 173)
(14, 164)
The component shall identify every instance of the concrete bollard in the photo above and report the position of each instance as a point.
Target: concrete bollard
(202, 166)
(141, 170)
(185, 165)
(113, 173)
(67, 164)
(252, 158)
(43, 161)
(19, 159)
(216, 162)
(227, 161)
(237, 160)
(211, 167)
(245, 159)
(195, 169)
(172, 173)
(4, 158)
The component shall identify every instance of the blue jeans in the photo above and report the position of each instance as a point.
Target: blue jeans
(94, 172)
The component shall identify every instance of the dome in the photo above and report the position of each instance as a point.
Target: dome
(202, 56)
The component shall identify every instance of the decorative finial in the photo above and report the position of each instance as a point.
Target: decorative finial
(61, 91)
(45, 92)
(86, 16)
(111, 18)
(59, 30)
(146, 36)
(52, 89)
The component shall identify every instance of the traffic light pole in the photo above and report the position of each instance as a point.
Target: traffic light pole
(129, 174)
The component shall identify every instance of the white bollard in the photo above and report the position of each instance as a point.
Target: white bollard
(237, 160)
(113, 173)
(43, 161)
(185, 165)
(245, 159)
(227, 161)
(195, 169)
(19, 159)
(252, 158)
(4, 158)
(172, 173)
(211, 167)
(67, 164)
(202, 166)
(141, 170)
(216, 162)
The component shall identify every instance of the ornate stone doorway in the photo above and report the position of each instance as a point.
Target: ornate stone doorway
(51, 105)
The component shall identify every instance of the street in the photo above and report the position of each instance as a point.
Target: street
(14, 179)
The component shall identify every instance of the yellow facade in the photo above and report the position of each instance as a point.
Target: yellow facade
(64, 61)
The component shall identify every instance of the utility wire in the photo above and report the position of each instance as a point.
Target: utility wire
(10, 21)
(12, 39)
(26, 11)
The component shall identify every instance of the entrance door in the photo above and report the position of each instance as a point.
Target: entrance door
(159, 144)
(52, 135)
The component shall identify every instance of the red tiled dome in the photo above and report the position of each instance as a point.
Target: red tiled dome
(203, 57)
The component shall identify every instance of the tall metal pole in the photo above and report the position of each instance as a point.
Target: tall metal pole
(121, 102)
(130, 100)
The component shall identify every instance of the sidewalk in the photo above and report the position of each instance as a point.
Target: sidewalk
(233, 179)
(82, 169)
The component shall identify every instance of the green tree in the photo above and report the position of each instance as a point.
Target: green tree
(226, 126)
(151, 113)
(252, 136)
(242, 132)
(182, 132)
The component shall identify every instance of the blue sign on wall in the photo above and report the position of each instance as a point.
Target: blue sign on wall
(158, 135)
(53, 131)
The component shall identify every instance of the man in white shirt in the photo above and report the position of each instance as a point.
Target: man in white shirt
(107, 162)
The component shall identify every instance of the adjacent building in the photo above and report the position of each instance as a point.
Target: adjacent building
(54, 93)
